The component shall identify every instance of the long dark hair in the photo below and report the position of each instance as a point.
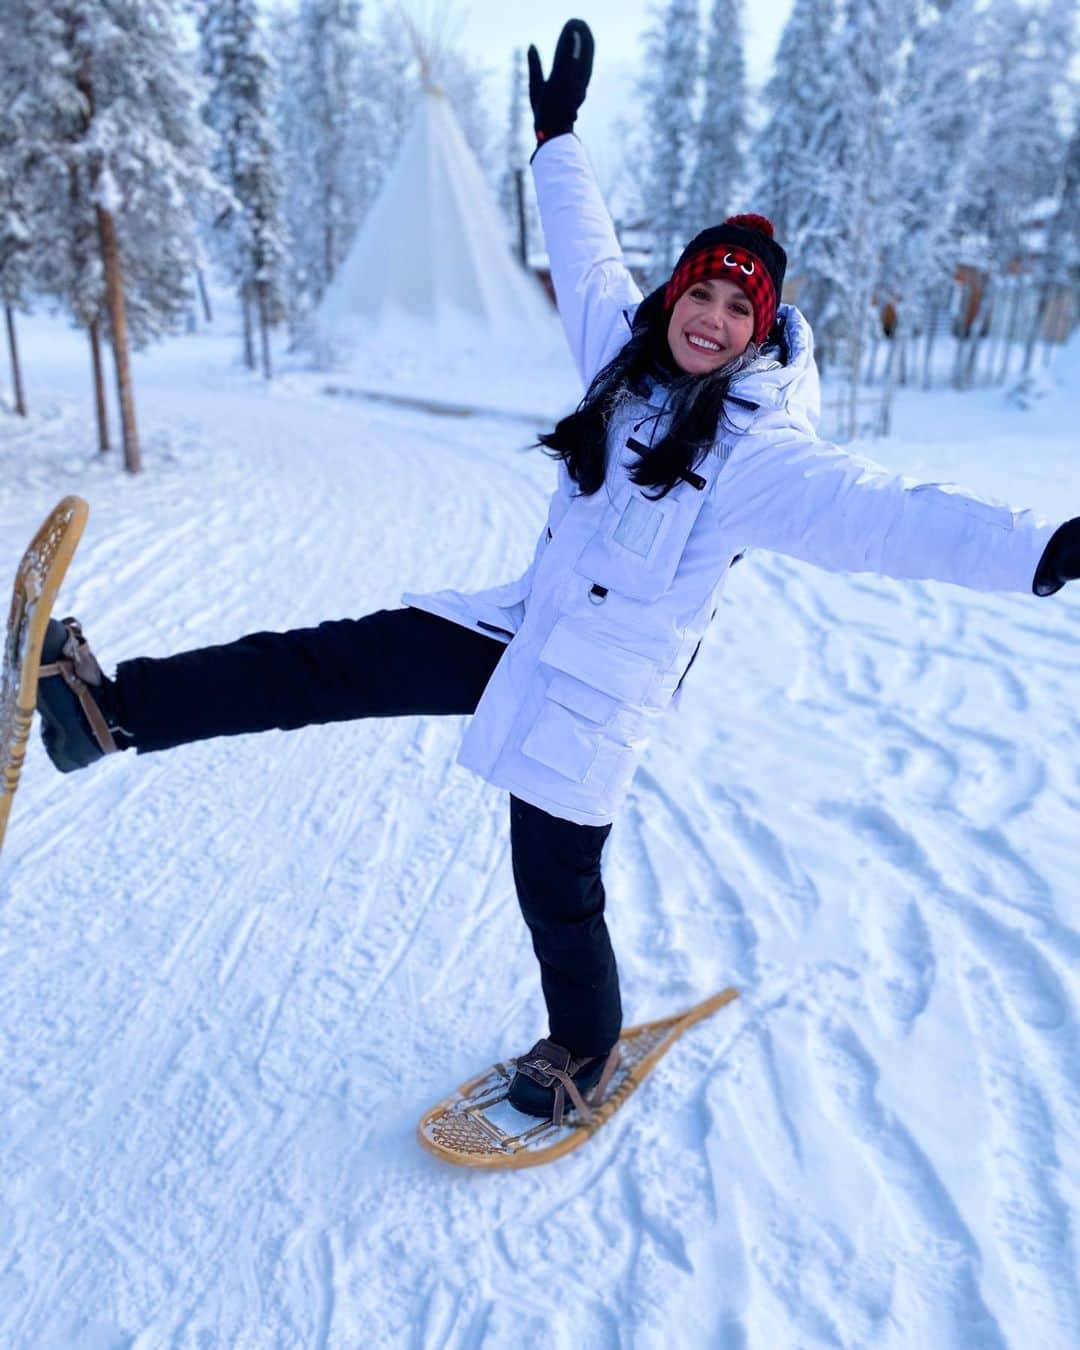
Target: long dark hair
(695, 404)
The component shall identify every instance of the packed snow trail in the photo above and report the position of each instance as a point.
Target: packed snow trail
(236, 974)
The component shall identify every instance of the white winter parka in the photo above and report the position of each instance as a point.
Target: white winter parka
(603, 626)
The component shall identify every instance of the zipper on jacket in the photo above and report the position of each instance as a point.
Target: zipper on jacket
(687, 670)
(693, 658)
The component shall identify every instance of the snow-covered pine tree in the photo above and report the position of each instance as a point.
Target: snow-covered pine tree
(511, 182)
(1058, 271)
(935, 123)
(860, 219)
(721, 127)
(248, 231)
(64, 247)
(1015, 163)
(321, 108)
(110, 95)
(798, 183)
(672, 66)
(870, 49)
(1061, 276)
(14, 231)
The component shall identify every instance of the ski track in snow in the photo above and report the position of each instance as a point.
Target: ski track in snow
(237, 973)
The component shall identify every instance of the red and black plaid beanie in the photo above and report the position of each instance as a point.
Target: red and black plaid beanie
(741, 249)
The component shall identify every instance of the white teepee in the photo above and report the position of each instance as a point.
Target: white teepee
(432, 256)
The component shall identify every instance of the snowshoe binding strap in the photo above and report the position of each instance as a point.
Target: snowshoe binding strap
(552, 1065)
(77, 666)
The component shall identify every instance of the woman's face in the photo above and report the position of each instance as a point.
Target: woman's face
(711, 324)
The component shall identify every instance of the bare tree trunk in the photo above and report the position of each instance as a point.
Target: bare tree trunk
(999, 354)
(857, 344)
(958, 358)
(249, 339)
(872, 356)
(264, 332)
(329, 249)
(114, 296)
(100, 406)
(16, 370)
(1036, 326)
(928, 352)
(204, 295)
(1011, 329)
(893, 365)
(971, 360)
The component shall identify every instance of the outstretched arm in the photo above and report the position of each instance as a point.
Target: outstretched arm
(789, 493)
(595, 292)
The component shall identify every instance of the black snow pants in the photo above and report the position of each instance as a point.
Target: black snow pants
(399, 663)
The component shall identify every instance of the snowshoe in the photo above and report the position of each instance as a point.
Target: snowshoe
(79, 707)
(37, 581)
(479, 1126)
(549, 1074)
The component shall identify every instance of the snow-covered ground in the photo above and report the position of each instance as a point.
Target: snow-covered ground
(235, 975)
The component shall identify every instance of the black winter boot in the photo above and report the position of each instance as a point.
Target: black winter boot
(549, 1074)
(79, 707)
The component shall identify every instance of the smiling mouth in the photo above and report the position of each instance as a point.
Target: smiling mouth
(702, 344)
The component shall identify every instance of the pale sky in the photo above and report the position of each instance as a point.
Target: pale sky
(491, 29)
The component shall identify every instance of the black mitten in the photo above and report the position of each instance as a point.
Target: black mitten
(1061, 560)
(556, 100)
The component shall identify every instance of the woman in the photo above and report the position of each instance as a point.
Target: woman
(694, 441)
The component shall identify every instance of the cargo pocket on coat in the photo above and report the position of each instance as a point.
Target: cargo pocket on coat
(569, 732)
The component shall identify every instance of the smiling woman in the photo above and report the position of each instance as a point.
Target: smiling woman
(704, 392)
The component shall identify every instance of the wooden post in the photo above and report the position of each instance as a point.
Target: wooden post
(114, 298)
(99, 388)
(16, 371)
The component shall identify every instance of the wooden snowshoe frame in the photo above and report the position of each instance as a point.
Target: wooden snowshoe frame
(465, 1129)
(36, 583)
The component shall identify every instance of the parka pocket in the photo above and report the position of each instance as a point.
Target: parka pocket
(638, 547)
(623, 675)
(588, 685)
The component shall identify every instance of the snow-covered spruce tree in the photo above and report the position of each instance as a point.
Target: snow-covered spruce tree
(1015, 163)
(1061, 276)
(721, 128)
(248, 232)
(799, 185)
(320, 110)
(857, 155)
(14, 234)
(52, 118)
(936, 120)
(670, 84)
(109, 92)
(1060, 265)
(511, 181)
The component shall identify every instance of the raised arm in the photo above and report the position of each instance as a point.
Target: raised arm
(789, 493)
(593, 287)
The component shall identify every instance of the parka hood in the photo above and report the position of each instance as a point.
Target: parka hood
(794, 386)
